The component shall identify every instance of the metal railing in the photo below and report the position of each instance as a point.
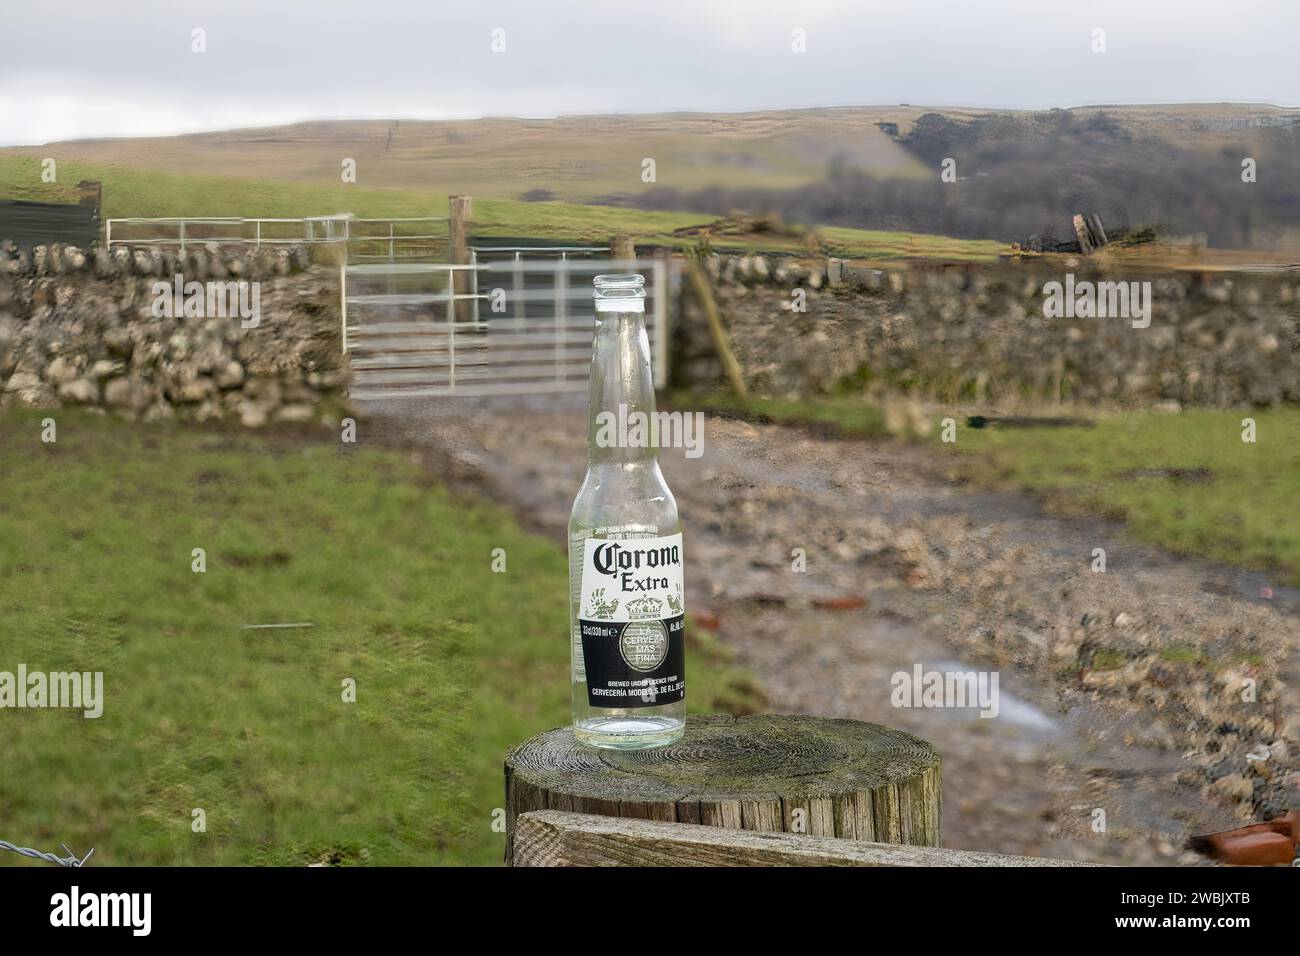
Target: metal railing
(364, 234)
(448, 296)
(428, 244)
(518, 296)
(534, 335)
(563, 301)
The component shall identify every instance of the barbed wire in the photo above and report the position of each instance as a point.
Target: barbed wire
(69, 860)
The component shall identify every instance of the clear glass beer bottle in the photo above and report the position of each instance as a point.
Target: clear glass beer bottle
(627, 613)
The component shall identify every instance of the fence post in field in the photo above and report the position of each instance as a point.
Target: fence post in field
(91, 193)
(659, 307)
(782, 774)
(343, 302)
(623, 251)
(460, 208)
(1081, 233)
(718, 332)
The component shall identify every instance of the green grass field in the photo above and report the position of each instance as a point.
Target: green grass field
(1185, 482)
(844, 415)
(573, 158)
(452, 662)
(877, 244)
(134, 192)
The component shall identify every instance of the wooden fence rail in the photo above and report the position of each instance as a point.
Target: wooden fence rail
(558, 838)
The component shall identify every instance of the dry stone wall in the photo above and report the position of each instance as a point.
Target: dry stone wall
(979, 332)
(250, 335)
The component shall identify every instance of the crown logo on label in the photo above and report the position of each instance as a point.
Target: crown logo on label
(643, 608)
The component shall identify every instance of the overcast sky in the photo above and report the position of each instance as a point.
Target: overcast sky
(79, 68)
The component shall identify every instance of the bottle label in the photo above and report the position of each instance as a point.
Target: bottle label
(632, 621)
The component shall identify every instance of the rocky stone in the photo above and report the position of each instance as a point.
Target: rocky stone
(1235, 788)
(127, 393)
(265, 389)
(229, 375)
(61, 371)
(295, 413)
(208, 410)
(981, 331)
(83, 391)
(333, 379)
(1104, 679)
(158, 411)
(1260, 764)
(1221, 769)
(105, 368)
(252, 415)
(196, 390)
(82, 329)
(22, 381)
(118, 342)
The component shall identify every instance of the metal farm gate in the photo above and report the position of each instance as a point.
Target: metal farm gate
(412, 238)
(516, 320)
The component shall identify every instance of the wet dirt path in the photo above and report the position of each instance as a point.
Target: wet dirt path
(1113, 764)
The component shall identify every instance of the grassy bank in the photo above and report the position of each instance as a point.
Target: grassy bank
(134, 192)
(848, 416)
(452, 662)
(1185, 482)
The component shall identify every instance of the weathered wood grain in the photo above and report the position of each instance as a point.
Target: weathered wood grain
(554, 838)
(459, 211)
(718, 331)
(1081, 233)
(808, 775)
(622, 250)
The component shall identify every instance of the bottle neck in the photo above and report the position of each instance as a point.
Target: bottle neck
(621, 402)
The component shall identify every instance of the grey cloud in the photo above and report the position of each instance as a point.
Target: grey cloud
(81, 68)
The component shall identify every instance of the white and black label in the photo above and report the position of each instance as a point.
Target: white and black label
(632, 621)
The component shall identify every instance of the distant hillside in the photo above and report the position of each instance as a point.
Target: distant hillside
(1016, 175)
(141, 192)
(572, 158)
(1021, 173)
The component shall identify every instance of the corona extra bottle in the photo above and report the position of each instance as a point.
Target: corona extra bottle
(626, 606)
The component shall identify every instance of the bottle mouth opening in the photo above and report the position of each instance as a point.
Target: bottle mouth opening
(619, 286)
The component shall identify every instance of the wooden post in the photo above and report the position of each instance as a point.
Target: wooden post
(659, 309)
(623, 251)
(813, 775)
(343, 304)
(1098, 233)
(91, 193)
(1081, 233)
(459, 212)
(721, 343)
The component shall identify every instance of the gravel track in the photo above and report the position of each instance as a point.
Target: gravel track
(1157, 739)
